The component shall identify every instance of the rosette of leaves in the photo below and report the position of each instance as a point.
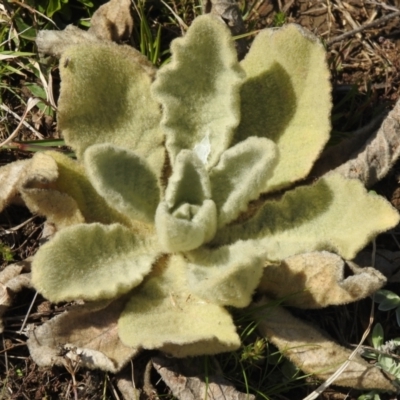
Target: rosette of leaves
(191, 175)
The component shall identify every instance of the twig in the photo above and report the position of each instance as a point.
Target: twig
(331, 380)
(15, 115)
(363, 27)
(27, 314)
(31, 103)
(33, 11)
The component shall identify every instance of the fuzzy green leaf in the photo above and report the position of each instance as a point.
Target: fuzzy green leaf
(230, 184)
(76, 263)
(187, 218)
(199, 89)
(227, 276)
(105, 97)
(40, 194)
(164, 314)
(335, 214)
(124, 179)
(72, 180)
(286, 98)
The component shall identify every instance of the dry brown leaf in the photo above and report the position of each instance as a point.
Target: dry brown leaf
(126, 388)
(112, 21)
(11, 177)
(319, 279)
(229, 11)
(385, 261)
(314, 353)
(366, 158)
(89, 332)
(13, 279)
(183, 378)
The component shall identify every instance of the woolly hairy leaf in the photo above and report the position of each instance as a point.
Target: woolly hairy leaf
(227, 276)
(124, 179)
(314, 353)
(231, 187)
(73, 181)
(116, 107)
(164, 314)
(39, 196)
(286, 98)
(334, 214)
(315, 280)
(57, 187)
(199, 89)
(76, 263)
(187, 218)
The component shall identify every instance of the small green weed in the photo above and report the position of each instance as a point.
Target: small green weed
(386, 353)
(279, 19)
(6, 253)
(388, 300)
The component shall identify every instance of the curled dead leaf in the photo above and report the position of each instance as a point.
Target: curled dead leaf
(314, 353)
(319, 279)
(13, 279)
(89, 332)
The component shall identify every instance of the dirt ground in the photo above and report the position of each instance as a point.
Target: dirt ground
(365, 69)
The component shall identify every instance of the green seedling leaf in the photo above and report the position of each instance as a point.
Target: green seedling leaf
(97, 249)
(52, 7)
(124, 179)
(389, 304)
(387, 300)
(286, 98)
(377, 336)
(199, 89)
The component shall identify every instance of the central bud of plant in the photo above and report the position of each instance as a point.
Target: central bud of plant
(187, 217)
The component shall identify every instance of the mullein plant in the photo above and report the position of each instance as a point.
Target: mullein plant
(185, 201)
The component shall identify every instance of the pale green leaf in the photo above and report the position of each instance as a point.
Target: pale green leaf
(286, 98)
(187, 218)
(124, 179)
(91, 262)
(105, 97)
(73, 181)
(199, 89)
(241, 175)
(335, 214)
(227, 276)
(164, 314)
